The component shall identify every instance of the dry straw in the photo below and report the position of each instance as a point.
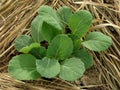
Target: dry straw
(15, 19)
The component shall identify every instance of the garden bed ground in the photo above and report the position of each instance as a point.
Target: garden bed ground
(15, 19)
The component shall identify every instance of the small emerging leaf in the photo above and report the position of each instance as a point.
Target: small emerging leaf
(76, 42)
(35, 49)
(38, 52)
(97, 41)
(28, 48)
(23, 67)
(71, 69)
(22, 41)
(60, 48)
(84, 55)
(80, 22)
(48, 67)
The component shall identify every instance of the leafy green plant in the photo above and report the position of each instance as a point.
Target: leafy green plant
(58, 46)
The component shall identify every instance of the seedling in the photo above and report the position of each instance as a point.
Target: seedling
(58, 46)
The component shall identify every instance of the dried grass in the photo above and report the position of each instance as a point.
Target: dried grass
(15, 18)
(8, 83)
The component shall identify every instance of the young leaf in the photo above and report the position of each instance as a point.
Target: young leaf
(80, 22)
(48, 67)
(38, 52)
(71, 69)
(76, 42)
(36, 27)
(49, 32)
(28, 48)
(64, 13)
(35, 49)
(84, 55)
(97, 41)
(60, 48)
(50, 16)
(23, 67)
(22, 41)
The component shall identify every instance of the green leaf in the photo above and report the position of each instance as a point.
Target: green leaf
(23, 67)
(36, 27)
(50, 16)
(76, 42)
(28, 48)
(64, 13)
(97, 41)
(48, 67)
(84, 55)
(41, 30)
(35, 49)
(71, 69)
(38, 52)
(49, 32)
(60, 48)
(80, 22)
(22, 41)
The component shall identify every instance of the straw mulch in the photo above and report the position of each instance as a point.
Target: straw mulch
(15, 19)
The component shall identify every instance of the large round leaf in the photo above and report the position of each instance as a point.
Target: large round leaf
(23, 67)
(84, 55)
(80, 22)
(61, 47)
(22, 41)
(48, 67)
(97, 41)
(72, 69)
